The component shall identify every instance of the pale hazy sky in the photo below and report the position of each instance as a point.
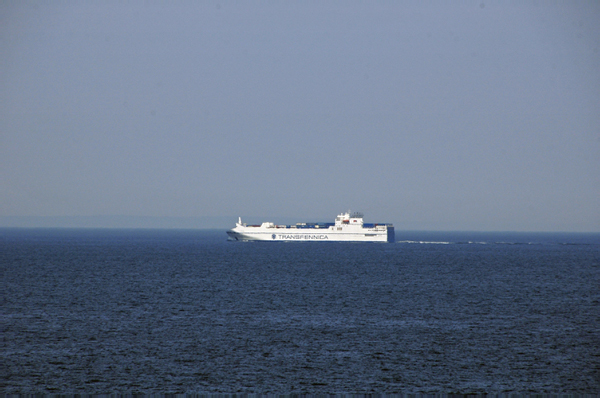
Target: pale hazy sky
(469, 115)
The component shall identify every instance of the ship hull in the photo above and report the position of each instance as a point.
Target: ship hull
(364, 235)
(346, 228)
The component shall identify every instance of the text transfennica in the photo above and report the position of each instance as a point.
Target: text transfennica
(299, 236)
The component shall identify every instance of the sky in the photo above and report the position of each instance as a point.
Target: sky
(433, 115)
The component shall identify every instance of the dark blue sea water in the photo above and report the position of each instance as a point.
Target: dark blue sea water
(146, 311)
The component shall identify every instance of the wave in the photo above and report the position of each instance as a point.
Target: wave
(423, 242)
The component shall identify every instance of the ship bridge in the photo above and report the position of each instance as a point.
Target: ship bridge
(356, 218)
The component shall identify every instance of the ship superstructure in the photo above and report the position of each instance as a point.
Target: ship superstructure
(347, 227)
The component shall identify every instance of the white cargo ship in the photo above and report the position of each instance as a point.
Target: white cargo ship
(347, 228)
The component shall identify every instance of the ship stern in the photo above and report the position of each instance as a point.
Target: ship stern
(391, 234)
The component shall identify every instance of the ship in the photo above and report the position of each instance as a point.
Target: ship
(346, 228)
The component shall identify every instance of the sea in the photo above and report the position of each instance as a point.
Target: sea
(143, 311)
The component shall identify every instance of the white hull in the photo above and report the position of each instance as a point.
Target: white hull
(345, 229)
